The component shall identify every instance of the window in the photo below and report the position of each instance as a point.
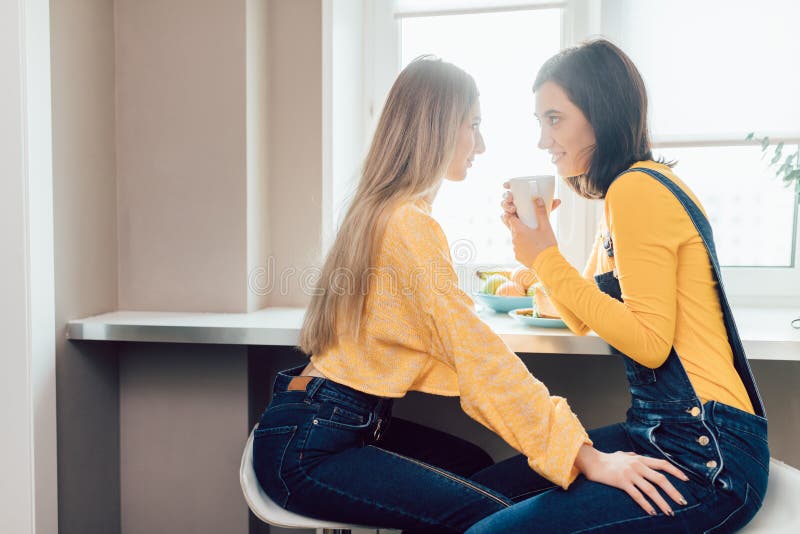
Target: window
(715, 71)
(500, 51)
(751, 211)
(730, 71)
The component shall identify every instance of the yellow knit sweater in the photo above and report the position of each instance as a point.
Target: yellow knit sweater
(420, 332)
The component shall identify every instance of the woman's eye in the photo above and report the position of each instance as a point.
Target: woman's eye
(554, 120)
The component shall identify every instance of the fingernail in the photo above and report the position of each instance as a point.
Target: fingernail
(539, 202)
(670, 513)
(652, 512)
(683, 501)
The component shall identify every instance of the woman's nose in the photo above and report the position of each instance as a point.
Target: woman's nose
(480, 146)
(544, 140)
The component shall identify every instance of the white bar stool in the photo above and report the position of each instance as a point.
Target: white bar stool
(269, 512)
(780, 513)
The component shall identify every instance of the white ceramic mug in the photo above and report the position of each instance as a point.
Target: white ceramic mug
(525, 189)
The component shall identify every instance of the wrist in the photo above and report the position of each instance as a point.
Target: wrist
(587, 454)
(541, 256)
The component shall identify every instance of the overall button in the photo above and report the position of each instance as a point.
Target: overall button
(711, 464)
(703, 440)
(695, 411)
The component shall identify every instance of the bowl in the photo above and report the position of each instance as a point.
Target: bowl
(503, 304)
(542, 322)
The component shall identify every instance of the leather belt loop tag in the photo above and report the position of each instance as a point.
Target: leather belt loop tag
(299, 383)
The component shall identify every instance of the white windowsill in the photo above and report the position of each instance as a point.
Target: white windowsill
(766, 332)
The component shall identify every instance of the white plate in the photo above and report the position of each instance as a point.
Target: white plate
(542, 322)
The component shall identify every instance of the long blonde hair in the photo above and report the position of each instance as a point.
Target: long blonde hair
(412, 147)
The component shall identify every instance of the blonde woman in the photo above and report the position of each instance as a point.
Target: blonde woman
(389, 318)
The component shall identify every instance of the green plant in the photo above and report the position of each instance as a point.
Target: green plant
(788, 169)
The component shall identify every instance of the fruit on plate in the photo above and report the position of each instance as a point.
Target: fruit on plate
(541, 303)
(484, 274)
(524, 277)
(492, 282)
(510, 289)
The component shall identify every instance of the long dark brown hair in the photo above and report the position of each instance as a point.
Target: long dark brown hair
(602, 81)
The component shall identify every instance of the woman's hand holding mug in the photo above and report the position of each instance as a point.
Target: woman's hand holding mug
(528, 242)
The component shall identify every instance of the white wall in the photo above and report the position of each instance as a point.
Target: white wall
(28, 488)
(344, 137)
(258, 141)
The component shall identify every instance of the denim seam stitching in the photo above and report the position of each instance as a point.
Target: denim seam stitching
(329, 423)
(322, 396)
(527, 494)
(338, 410)
(740, 429)
(732, 443)
(272, 431)
(651, 438)
(755, 494)
(736, 510)
(452, 477)
(643, 518)
(313, 480)
(280, 466)
(283, 456)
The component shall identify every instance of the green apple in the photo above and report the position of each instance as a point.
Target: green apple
(492, 282)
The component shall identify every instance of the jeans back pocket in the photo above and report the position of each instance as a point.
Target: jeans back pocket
(269, 450)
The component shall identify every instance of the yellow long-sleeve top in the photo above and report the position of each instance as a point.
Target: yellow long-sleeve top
(420, 332)
(669, 293)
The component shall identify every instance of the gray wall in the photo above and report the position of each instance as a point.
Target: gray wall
(297, 199)
(219, 168)
(85, 235)
(183, 422)
(161, 137)
(181, 155)
(779, 383)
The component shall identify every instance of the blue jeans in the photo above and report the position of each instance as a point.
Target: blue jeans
(723, 502)
(331, 452)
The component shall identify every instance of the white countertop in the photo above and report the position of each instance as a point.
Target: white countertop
(766, 332)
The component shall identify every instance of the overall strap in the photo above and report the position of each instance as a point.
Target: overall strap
(703, 227)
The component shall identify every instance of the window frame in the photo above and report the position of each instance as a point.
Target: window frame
(773, 285)
(577, 226)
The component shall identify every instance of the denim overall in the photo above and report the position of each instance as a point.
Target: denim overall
(723, 450)
(665, 412)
